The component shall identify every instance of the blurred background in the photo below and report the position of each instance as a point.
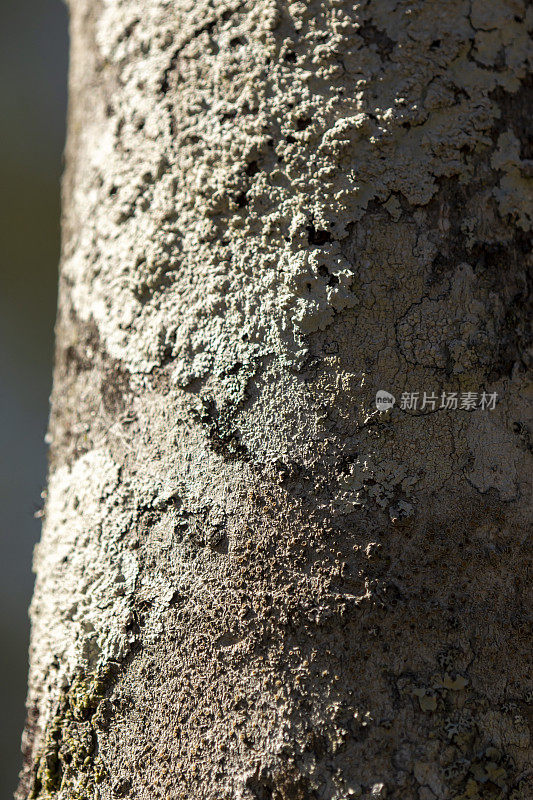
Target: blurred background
(33, 76)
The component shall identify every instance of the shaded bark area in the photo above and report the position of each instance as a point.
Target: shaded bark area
(252, 583)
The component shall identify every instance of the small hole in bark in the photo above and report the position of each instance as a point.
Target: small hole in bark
(252, 169)
(324, 273)
(319, 236)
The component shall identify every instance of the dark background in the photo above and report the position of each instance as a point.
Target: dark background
(33, 76)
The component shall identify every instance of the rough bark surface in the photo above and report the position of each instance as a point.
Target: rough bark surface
(252, 584)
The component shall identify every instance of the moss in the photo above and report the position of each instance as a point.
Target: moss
(68, 764)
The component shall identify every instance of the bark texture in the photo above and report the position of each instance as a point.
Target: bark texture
(252, 584)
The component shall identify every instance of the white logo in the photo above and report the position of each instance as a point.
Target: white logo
(384, 400)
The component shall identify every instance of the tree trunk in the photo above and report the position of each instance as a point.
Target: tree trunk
(253, 581)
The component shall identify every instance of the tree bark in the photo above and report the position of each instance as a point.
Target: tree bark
(252, 582)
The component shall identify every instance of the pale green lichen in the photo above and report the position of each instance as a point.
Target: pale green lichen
(473, 767)
(380, 481)
(248, 166)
